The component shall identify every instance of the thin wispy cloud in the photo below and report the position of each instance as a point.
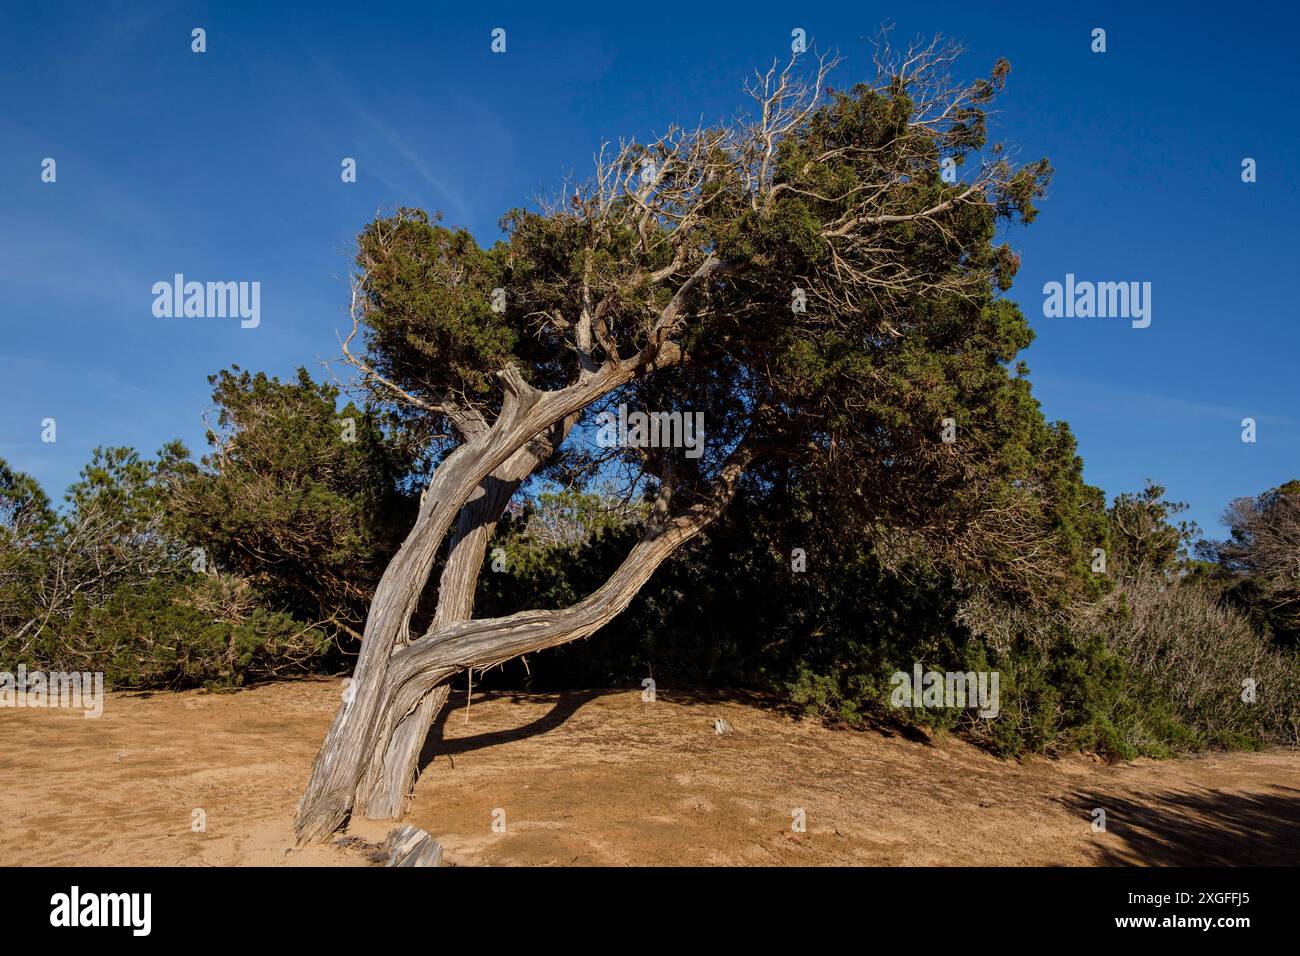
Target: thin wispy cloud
(390, 143)
(1106, 396)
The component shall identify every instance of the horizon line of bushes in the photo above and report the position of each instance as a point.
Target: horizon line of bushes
(257, 562)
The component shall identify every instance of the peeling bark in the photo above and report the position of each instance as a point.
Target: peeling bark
(355, 760)
(392, 770)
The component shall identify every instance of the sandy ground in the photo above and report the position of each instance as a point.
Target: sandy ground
(603, 778)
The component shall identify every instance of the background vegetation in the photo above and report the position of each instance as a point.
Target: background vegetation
(858, 543)
(292, 526)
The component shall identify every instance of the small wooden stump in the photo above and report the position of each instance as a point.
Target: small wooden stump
(410, 846)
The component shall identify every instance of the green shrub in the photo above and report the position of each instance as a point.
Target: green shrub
(203, 631)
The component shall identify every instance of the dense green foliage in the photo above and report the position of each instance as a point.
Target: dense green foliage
(1154, 667)
(250, 564)
(305, 500)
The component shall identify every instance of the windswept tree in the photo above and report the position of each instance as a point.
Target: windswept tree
(806, 276)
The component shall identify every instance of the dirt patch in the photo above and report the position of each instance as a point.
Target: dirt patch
(604, 778)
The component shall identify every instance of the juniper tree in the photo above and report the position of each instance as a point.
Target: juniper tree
(302, 498)
(805, 275)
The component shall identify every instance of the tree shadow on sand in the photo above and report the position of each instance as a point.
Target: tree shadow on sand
(1202, 827)
(566, 704)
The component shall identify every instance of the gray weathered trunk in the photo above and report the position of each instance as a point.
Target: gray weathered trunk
(391, 773)
(348, 753)
(369, 755)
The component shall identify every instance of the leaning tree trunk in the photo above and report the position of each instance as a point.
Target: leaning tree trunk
(369, 753)
(353, 745)
(392, 769)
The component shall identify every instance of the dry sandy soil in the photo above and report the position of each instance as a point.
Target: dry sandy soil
(603, 778)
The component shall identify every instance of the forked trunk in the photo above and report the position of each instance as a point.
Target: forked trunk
(369, 756)
(393, 766)
(353, 740)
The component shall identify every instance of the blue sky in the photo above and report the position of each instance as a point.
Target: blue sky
(225, 166)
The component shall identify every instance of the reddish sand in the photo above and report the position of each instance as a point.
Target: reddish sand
(604, 778)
